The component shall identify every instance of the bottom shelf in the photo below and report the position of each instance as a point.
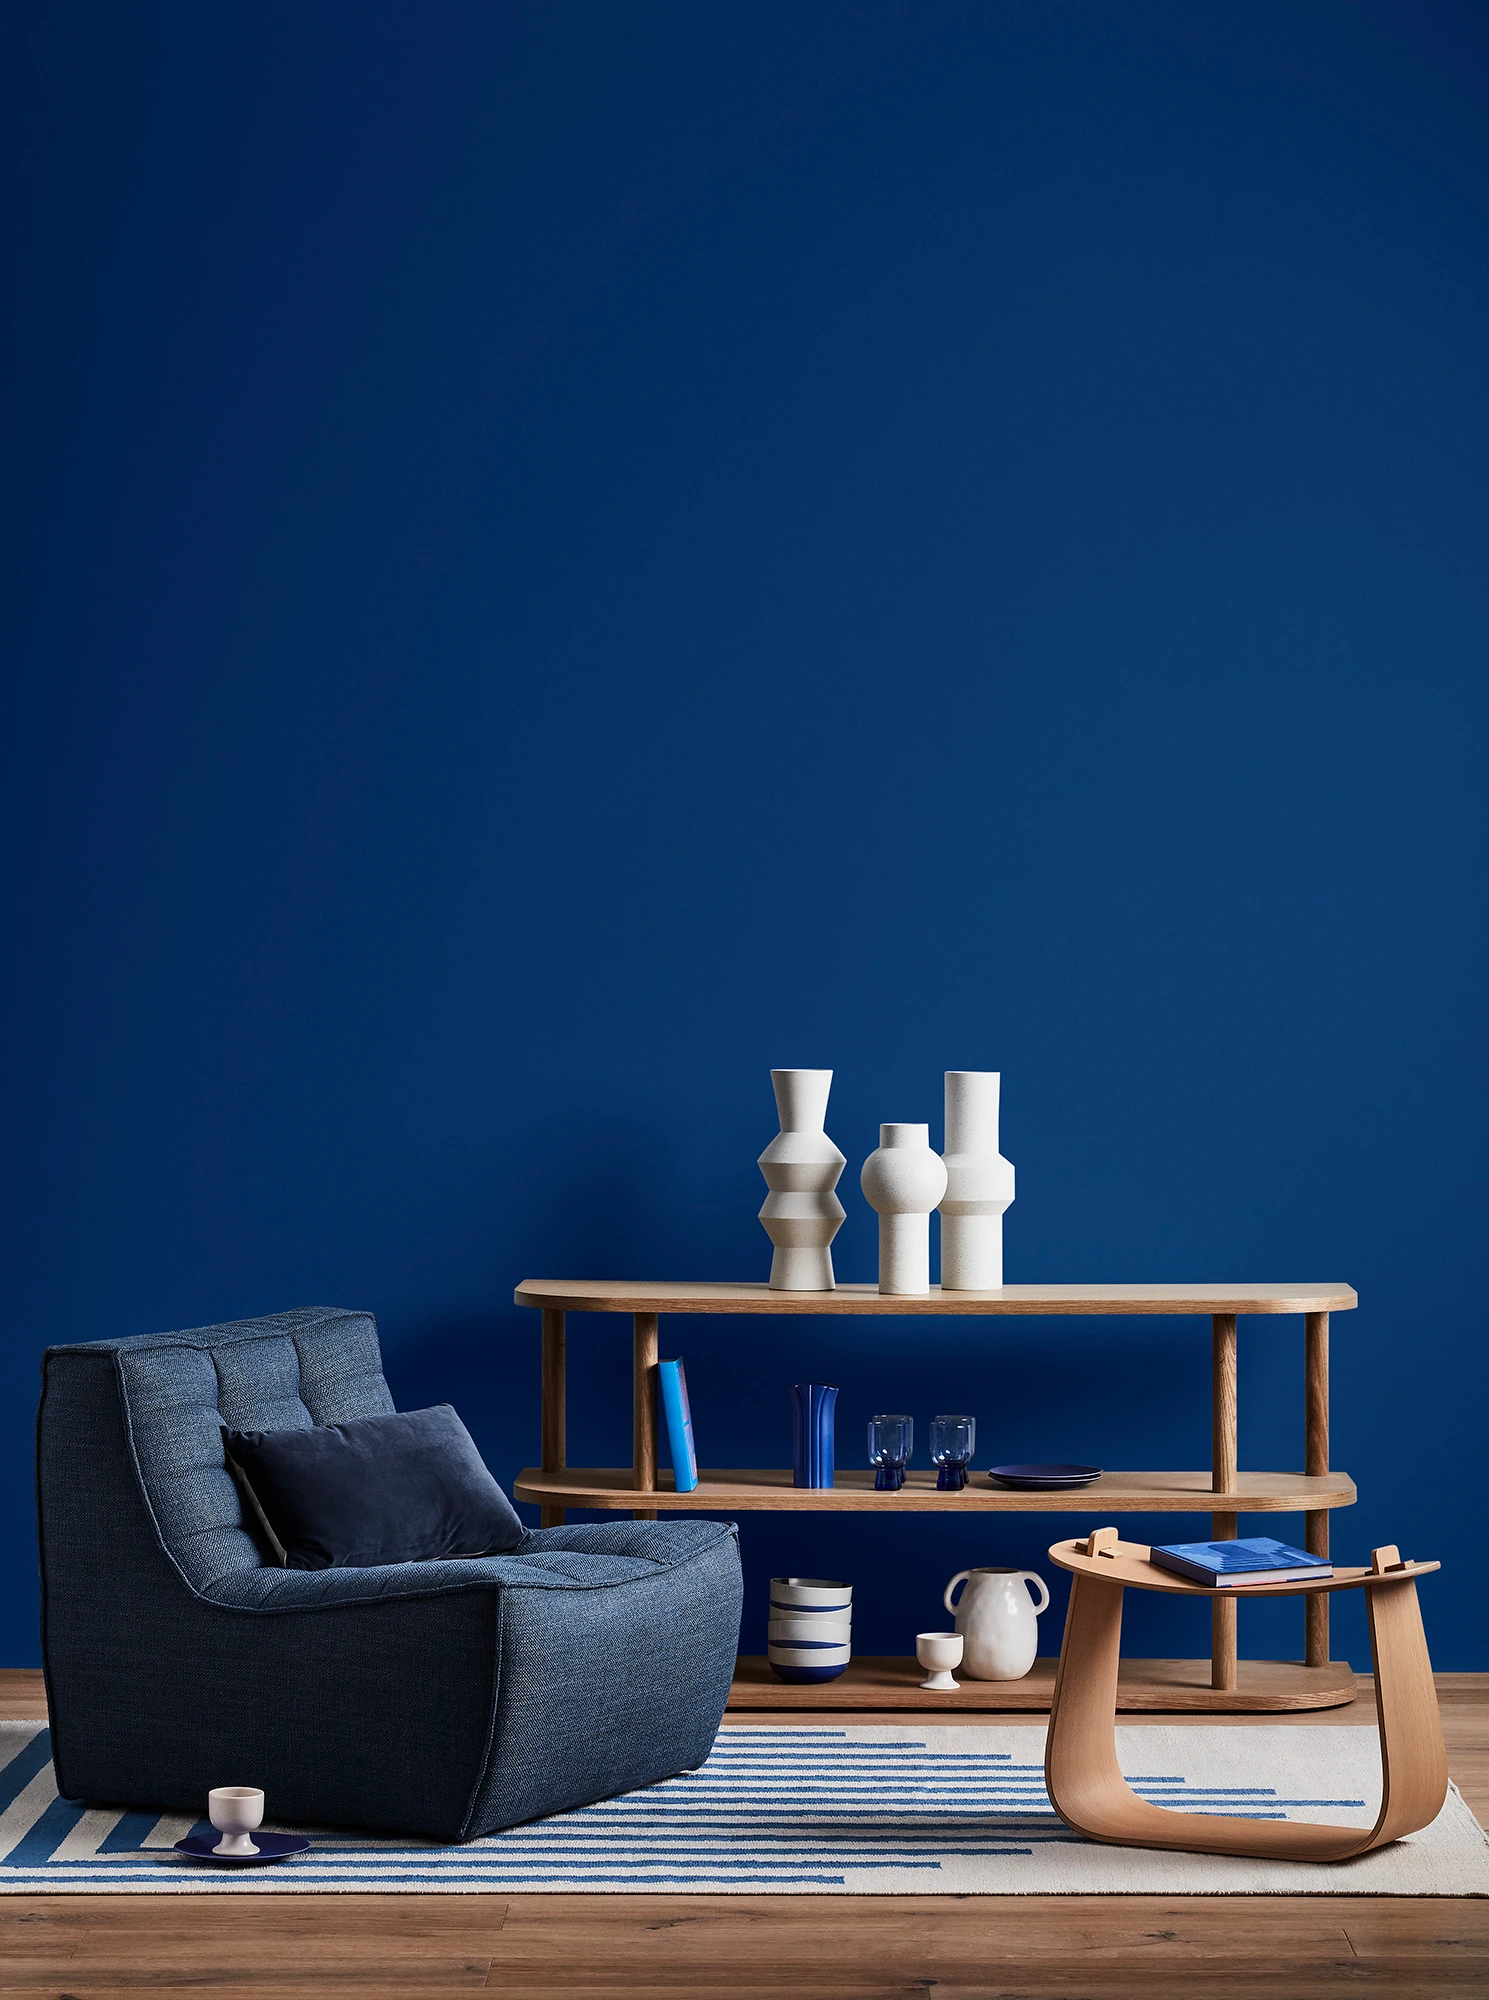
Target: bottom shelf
(1174, 1686)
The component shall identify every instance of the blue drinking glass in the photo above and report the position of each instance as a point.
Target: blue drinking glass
(953, 1440)
(891, 1447)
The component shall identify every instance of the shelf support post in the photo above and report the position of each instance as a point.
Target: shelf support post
(1316, 1461)
(1223, 1480)
(555, 1413)
(644, 1409)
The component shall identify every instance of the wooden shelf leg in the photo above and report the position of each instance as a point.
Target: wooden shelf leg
(1223, 1480)
(1316, 1460)
(644, 1410)
(555, 1409)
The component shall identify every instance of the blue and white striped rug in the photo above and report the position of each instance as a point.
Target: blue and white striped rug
(947, 1810)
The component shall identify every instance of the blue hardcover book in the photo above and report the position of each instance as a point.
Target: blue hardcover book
(674, 1387)
(1257, 1560)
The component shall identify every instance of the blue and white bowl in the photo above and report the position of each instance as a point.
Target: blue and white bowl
(827, 1630)
(809, 1593)
(809, 1637)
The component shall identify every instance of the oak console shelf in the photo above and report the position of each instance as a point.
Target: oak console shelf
(1163, 1687)
(1224, 1492)
(769, 1489)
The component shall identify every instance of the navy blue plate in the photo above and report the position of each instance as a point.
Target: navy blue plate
(271, 1847)
(1047, 1478)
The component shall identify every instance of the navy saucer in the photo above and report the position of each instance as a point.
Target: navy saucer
(1043, 1478)
(271, 1847)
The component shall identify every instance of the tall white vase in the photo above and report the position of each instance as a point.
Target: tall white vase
(801, 1214)
(979, 1184)
(904, 1180)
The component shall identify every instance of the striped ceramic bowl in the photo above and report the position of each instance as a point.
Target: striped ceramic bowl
(827, 1629)
(795, 1594)
(809, 1637)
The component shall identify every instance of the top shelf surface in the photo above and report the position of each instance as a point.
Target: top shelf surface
(600, 1295)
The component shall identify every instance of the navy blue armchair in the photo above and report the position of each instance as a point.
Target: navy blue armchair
(446, 1698)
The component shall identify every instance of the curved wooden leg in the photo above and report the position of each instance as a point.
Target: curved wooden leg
(1412, 1753)
(1081, 1772)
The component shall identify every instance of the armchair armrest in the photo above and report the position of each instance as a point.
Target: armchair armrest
(664, 1542)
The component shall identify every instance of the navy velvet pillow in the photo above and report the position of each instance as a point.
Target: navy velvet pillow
(401, 1488)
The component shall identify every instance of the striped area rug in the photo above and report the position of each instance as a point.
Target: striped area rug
(862, 1811)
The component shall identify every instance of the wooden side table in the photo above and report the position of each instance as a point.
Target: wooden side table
(1222, 1491)
(1085, 1782)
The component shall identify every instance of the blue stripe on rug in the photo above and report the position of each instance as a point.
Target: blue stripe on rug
(23, 1767)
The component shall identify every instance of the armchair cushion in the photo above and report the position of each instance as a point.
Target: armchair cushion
(405, 1487)
(586, 1557)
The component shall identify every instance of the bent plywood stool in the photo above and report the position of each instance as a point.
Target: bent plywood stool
(1085, 1783)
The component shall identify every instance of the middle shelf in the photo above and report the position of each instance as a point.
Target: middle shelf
(769, 1489)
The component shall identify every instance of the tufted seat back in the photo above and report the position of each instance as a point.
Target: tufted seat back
(178, 1391)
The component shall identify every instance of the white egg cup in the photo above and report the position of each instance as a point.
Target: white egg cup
(940, 1652)
(236, 1811)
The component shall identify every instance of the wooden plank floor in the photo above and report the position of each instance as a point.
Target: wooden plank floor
(772, 1947)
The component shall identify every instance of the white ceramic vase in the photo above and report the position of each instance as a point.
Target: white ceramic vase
(904, 1180)
(998, 1623)
(979, 1184)
(801, 1165)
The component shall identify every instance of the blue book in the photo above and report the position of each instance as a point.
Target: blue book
(1258, 1560)
(674, 1388)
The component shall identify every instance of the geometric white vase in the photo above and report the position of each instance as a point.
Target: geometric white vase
(801, 1214)
(904, 1180)
(979, 1184)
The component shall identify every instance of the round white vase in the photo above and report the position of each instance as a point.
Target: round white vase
(979, 1184)
(998, 1621)
(904, 1180)
(801, 1165)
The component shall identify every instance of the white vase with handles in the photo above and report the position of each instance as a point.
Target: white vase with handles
(979, 1184)
(801, 1165)
(998, 1622)
(904, 1180)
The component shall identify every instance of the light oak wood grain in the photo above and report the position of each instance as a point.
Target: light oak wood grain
(1316, 1460)
(1223, 1459)
(1160, 1685)
(1130, 1563)
(615, 1296)
(766, 1948)
(644, 1409)
(555, 1433)
(769, 1488)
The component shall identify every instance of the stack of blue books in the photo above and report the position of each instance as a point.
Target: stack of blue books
(1259, 1560)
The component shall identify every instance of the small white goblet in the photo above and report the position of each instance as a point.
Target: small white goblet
(236, 1811)
(940, 1652)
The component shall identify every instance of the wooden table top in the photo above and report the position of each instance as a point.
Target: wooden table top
(1130, 1563)
(600, 1295)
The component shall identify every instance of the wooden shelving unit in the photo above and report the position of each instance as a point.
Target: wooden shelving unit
(1222, 1685)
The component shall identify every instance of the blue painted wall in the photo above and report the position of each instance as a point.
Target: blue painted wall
(562, 556)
